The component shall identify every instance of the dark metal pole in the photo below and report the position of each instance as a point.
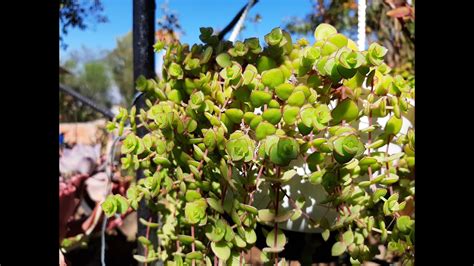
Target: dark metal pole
(105, 112)
(234, 21)
(144, 64)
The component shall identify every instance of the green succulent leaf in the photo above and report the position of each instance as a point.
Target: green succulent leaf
(348, 237)
(376, 53)
(223, 60)
(275, 37)
(404, 223)
(176, 71)
(338, 39)
(347, 147)
(206, 55)
(284, 90)
(195, 255)
(122, 203)
(378, 194)
(197, 100)
(259, 98)
(240, 147)
(265, 63)
(345, 110)
(338, 248)
(323, 31)
(288, 175)
(290, 114)
(109, 206)
(276, 239)
(297, 98)
(144, 259)
(192, 195)
(266, 215)
(235, 115)
(393, 126)
(288, 148)
(264, 129)
(325, 234)
(130, 144)
(249, 75)
(253, 44)
(221, 250)
(272, 115)
(250, 236)
(216, 232)
(249, 208)
(195, 211)
(307, 116)
(316, 178)
(215, 204)
(273, 77)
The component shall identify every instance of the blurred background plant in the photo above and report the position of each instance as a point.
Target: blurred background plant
(389, 22)
(79, 14)
(89, 75)
(105, 76)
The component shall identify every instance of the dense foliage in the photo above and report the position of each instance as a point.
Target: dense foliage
(227, 117)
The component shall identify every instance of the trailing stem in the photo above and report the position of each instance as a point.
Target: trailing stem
(369, 140)
(277, 197)
(147, 237)
(192, 244)
(387, 165)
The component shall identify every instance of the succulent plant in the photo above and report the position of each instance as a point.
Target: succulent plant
(227, 117)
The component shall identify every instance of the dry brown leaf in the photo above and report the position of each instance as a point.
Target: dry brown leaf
(91, 222)
(400, 12)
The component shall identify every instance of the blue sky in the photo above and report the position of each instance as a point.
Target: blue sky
(192, 15)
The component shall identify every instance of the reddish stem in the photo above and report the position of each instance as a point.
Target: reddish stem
(277, 190)
(369, 141)
(260, 172)
(147, 236)
(293, 203)
(390, 188)
(192, 244)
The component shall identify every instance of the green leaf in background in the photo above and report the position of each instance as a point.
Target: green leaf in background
(279, 236)
(338, 249)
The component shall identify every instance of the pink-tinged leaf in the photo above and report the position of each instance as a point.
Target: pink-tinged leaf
(67, 205)
(96, 186)
(115, 222)
(91, 222)
(81, 159)
(62, 261)
(77, 180)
